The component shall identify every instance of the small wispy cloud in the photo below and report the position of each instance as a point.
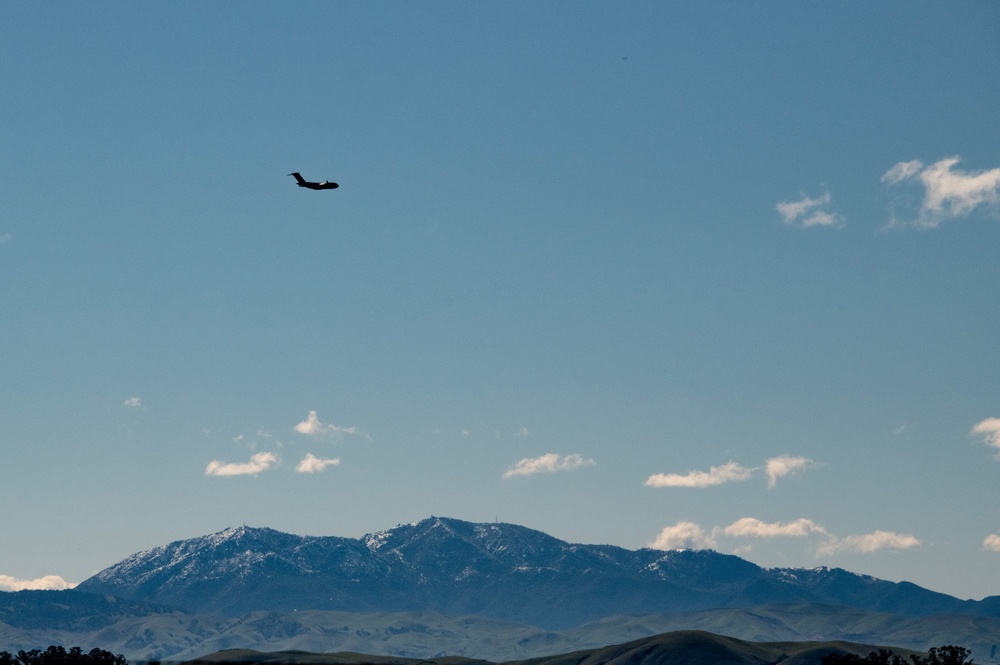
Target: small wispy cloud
(548, 463)
(133, 403)
(808, 212)
(524, 431)
(312, 426)
(990, 431)
(750, 527)
(783, 465)
(775, 468)
(258, 463)
(683, 536)
(949, 193)
(5, 238)
(992, 543)
(868, 542)
(47, 583)
(312, 464)
(716, 475)
(902, 171)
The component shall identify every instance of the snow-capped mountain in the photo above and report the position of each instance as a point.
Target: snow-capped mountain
(502, 571)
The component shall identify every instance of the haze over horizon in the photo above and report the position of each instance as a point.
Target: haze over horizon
(643, 274)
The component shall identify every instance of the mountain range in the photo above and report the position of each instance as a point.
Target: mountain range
(495, 570)
(489, 591)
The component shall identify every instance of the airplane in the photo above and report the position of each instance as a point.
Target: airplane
(313, 185)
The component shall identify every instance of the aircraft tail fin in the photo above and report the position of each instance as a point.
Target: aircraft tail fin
(298, 177)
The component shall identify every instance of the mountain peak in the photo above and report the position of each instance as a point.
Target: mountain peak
(242, 533)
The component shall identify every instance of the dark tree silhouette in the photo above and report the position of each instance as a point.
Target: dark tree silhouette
(880, 657)
(946, 655)
(949, 655)
(57, 655)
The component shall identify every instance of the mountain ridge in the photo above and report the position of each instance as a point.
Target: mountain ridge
(497, 570)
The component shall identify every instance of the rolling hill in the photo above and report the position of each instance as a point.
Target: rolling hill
(687, 647)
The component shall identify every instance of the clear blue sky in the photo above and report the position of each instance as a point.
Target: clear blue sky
(685, 274)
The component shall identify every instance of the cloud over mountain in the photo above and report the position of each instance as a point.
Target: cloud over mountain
(682, 536)
(46, 583)
(690, 535)
(750, 527)
(868, 542)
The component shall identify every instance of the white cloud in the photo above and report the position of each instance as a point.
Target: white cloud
(5, 238)
(682, 536)
(781, 466)
(524, 431)
(868, 542)
(47, 583)
(716, 475)
(312, 464)
(258, 463)
(749, 527)
(312, 426)
(133, 403)
(990, 429)
(992, 543)
(948, 193)
(902, 171)
(547, 463)
(808, 212)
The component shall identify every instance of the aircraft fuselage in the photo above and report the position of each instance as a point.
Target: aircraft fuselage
(301, 182)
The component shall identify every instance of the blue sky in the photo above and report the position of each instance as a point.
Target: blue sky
(649, 274)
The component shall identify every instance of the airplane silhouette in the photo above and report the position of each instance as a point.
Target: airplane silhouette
(313, 185)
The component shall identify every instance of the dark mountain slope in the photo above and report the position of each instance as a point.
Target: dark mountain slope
(69, 610)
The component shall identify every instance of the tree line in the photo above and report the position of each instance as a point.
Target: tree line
(55, 655)
(947, 655)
